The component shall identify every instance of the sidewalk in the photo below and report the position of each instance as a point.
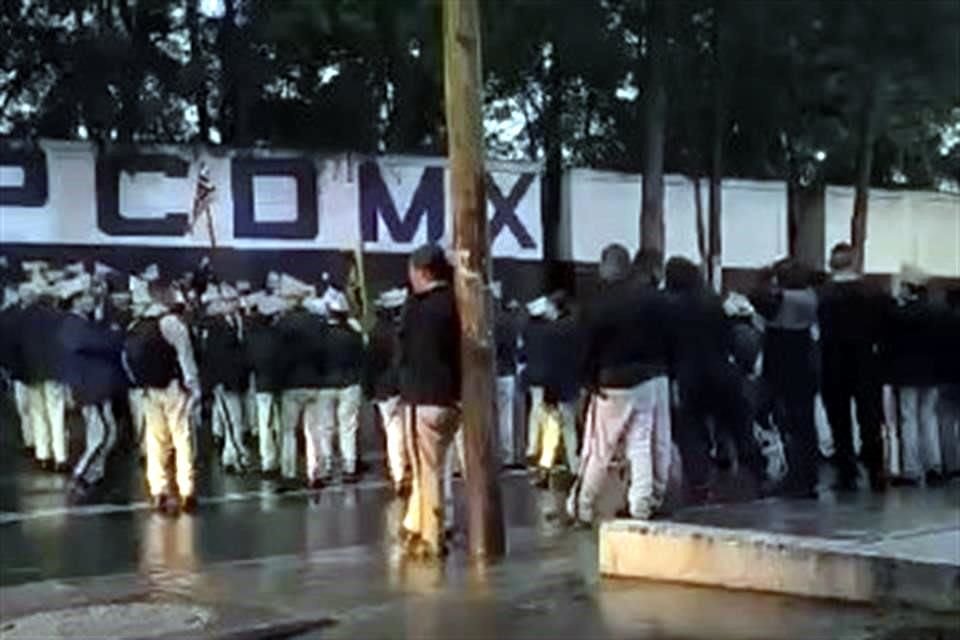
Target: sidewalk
(902, 547)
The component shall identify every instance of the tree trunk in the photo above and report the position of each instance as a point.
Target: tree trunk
(858, 223)
(652, 230)
(550, 198)
(463, 85)
(715, 263)
(197, 61)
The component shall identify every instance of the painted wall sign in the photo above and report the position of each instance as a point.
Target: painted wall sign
(67, 193)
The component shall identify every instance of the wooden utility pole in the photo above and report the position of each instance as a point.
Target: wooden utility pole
(463, 86)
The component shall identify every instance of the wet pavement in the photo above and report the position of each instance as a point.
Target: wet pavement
(325, 566)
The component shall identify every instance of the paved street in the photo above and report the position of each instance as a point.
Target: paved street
(324, 566)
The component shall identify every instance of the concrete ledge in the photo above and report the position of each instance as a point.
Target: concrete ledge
(786, 564)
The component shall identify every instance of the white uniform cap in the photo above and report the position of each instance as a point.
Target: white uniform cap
(67, 289)
(243, 286)
(316, 306)
(543, 307)
(55, 276)
(34, 266)
(139, 291)
(392, 298)
(335, 301)
(912, 274)
(291, 287)
(736, 305)
(270, 305)
(75, 268)
(151, 273)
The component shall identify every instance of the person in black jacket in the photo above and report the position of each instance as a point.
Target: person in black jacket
(303, 336)
(852, 318)
(627, 349)
(789, 368)
(91, 366)
(551, 348)
(383, 383)
(505, 338)
(910, 350)
(46, 395)
(340, 392)
(264, 347)
(430, 390)
(225, 373)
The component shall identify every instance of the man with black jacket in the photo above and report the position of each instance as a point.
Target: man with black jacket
(384, 385)
(159, 358)
(627, 349)
(430, 390)
(340, 392)
(91, 366)
(852, 317)
(303, 334)
(264, 347)
(225, 373)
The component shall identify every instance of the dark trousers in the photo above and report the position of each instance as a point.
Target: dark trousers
(793, 407)
(847, 378)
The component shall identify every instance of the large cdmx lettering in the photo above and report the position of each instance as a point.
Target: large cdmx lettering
(378, 208)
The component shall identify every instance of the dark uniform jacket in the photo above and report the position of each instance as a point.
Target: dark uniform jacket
(505, 336)
(223, 358)
(342, 356)
(264, 352)
(38, 343)
(553, 352)
(11, 355)
(383, 359)
(151, 360)
(628, 339)
(430, 349)
(301, 351)
(913, 346)
(90, 361)
(853, 318)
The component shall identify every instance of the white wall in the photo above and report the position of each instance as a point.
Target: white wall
(903, 227)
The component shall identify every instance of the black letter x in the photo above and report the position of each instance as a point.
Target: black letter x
(505, 210)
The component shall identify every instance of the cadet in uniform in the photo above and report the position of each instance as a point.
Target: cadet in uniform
(264, 346)
(160, 359)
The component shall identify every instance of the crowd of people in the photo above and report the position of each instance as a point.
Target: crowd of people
(653, 373)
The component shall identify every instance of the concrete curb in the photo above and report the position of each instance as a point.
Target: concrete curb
(786, 564)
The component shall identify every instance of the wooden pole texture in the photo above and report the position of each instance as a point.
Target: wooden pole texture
(463, 86)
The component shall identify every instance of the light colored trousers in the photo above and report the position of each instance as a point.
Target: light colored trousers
(534, 422)
(21, 397)
(949, 410)
(135, 399)
(434, 428)
(640, 417)
(228, 422)
(46, 402)
(558, 422)
(506, 410)
(300, 409)
(398, 451)
(268, 430)
(169, 433)
(919, 432)
(101, 437)
(338, 415)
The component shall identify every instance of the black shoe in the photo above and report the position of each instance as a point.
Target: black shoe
(350, 478)
(189, 504)
(878, 483)
(935, 479)
(540, 478)
(904, 482)
(316, 484)
(46, 465)
(160, 502)
(61, 467)
(402, 489)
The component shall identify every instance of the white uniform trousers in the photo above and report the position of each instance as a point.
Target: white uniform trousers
(169, 435)
(228, 414)
(559, 422)
(300, 410)
(640, 417)
(47, 405)
(268, 430)
(534, 423)
(434, 428)
(920, 450)
(135, 399)
(506, 410)
(398, 455)
(21, 397)
(101, 437)
(338, 414)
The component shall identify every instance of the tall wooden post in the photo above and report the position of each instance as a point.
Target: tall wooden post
(463, 86)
